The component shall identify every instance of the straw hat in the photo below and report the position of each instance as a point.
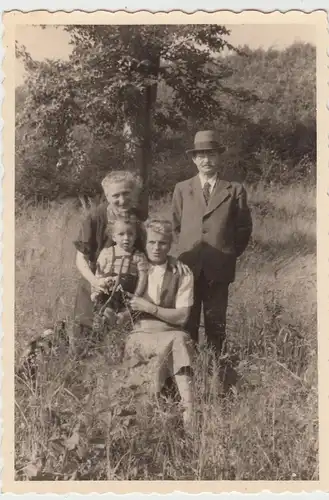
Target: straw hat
(206, 140)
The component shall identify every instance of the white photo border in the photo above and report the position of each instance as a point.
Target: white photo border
(322, 220)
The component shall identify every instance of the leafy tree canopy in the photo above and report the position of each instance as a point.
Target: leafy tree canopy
(103, 85)
(75, 117)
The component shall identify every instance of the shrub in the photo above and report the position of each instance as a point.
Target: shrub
(268, 126)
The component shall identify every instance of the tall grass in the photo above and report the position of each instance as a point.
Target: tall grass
(72, 424)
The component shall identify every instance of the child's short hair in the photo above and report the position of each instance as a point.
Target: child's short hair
(128, 218)
(161, 226)
(125, 176)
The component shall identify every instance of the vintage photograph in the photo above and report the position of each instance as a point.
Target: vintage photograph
(165, 252)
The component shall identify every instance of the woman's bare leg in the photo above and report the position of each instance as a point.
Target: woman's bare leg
(184, 383)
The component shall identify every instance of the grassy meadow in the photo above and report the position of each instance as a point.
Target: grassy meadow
(265, 427)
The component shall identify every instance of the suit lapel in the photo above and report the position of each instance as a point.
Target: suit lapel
(220, 193)
(197, 194)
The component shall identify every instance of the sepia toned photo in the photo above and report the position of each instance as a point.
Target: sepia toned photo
(163, 179)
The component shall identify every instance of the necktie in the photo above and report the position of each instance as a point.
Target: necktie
(206, 192)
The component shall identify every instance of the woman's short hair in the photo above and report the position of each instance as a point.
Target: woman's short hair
(161, 226)
(130, 179)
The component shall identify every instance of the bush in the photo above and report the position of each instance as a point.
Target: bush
(269, 128)
(271, 412)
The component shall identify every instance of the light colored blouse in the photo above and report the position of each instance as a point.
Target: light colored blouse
(184, 297)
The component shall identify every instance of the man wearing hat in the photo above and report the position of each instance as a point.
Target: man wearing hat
(212, 224)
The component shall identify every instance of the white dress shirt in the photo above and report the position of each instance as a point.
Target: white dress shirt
(184, 296)
(211, 181)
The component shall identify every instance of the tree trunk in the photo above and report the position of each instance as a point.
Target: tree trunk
(137, 129)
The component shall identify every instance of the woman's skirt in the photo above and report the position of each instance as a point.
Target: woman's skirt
(154, 352)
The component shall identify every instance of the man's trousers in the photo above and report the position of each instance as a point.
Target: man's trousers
(213, 296)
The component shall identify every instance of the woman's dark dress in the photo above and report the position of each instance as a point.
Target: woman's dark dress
(91, 239)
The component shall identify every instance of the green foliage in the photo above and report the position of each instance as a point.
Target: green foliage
(70, 115)
(98, 89)
(278, 130)
(74, 423)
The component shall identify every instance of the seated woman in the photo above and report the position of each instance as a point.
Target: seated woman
(158, 337)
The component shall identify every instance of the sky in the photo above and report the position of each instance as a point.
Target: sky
(53, 42)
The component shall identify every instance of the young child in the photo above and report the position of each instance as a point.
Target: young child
(125, 267)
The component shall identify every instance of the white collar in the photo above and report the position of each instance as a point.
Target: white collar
(211, 181)
(163, 266)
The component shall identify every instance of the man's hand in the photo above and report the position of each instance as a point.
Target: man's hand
(182, 268)
(142, 305)
(179, 267)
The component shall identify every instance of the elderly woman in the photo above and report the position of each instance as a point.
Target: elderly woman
(158, 337)
(122, 190)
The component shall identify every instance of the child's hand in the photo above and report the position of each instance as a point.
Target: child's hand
(110, 282)
(99, 284)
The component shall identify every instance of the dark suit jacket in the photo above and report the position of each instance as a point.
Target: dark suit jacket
(211, 237)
